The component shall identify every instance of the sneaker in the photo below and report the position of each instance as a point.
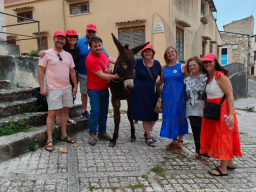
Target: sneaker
(104, 136)
(92, 139)
(85, 115)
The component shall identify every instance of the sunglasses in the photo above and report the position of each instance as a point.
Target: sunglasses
(91, 31)
(59, 57)
(70, 36)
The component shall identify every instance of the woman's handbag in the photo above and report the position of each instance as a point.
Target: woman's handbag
(159, 104)
(212, 110)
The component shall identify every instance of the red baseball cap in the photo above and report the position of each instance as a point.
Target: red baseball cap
(209, 57)
(148, 46)
(71, 32)
(91, 27)
(59, 33)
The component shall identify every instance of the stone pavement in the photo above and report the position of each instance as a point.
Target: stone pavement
(130, 167)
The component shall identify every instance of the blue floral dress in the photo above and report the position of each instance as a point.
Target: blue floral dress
(174, 103)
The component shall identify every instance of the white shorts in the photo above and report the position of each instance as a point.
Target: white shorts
(59, 98)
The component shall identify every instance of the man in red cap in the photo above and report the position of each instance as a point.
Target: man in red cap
(84, 50)
(57, 64)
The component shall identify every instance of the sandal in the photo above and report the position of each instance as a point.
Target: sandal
(67, 139)
(71, 121)
(196, 156)
(149, 143)
(153, 138)
(220, 173)
(231, 168)
(48, 144)
(178, 149)
(171, 145)
(205, 160)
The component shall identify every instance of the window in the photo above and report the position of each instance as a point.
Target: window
(79, 8)
(203, 48)
(180, 43)
(211, 48)
(254, 55)
(44, 44)
(224, 56)
(202, 8)
(134, 36)
(252, 70)
(25, 14)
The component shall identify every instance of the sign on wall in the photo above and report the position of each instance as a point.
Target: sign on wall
(158, 27)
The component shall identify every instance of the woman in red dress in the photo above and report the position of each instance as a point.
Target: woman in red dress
(217, 139)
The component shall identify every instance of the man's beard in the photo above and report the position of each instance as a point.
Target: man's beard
(58, 45)
(88, 37)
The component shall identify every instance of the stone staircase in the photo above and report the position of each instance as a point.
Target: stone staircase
(16, 104)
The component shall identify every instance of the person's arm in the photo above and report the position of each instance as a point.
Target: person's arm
(74, 80)
(41, 71)
(112, 60)
(41, 53)
(105, 76)
(225, 84)
(184, 70)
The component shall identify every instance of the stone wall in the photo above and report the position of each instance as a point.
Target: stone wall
(237, 47)
(20, 69)
(2, 22)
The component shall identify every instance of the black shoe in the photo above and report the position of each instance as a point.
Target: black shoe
(85, 115)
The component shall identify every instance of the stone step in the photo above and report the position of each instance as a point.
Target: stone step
(18, 144)
(4, 84)
(15, 94)
(39, 118)
(17, 107)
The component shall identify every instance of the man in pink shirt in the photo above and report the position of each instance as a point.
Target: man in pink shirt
(57, 64)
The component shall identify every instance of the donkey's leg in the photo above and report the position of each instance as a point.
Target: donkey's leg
(116, 106)
(133, 138)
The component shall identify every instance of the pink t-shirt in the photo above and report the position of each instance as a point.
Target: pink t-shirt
(57, 72)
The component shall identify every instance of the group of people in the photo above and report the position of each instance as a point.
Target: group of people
(182, 100)
(86, 59)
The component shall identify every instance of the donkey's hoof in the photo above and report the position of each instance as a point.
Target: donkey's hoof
(112, 144)
(133, 139)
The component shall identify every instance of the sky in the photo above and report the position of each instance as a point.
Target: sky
(230, 10)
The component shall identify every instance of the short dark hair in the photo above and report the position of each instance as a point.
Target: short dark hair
(94, 39)
(152, 52)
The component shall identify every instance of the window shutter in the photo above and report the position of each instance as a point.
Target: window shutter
(180, 43)
(125, 37)
(84, 8)
(74, 10)
(138, 39)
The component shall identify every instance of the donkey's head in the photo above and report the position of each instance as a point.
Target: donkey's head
(125, 62)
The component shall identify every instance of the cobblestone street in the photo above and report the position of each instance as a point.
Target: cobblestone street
(128, 166)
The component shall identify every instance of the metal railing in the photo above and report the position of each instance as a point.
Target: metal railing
(238, 78)
(23, 23)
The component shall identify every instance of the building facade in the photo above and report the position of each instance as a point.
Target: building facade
(190, 26)
(253, 56)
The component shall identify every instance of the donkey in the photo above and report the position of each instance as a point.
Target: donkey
(121, 89)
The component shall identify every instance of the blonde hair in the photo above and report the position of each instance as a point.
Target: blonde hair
(165, 54)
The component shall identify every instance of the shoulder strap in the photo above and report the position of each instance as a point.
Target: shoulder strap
(149, 71)
(222, 100)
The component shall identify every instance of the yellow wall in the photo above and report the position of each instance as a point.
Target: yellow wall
(54, 15)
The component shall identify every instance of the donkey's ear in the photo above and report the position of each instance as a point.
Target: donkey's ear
(119, 46)
(138, 48)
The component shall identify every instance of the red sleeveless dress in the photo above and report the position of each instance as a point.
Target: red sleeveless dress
(216, 139)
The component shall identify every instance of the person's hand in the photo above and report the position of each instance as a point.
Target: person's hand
(41, 53)
(74, 91)
(231, 119)
(43, 91)
(109, 71)
(117, 76)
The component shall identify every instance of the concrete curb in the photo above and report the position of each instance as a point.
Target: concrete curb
(18, 144)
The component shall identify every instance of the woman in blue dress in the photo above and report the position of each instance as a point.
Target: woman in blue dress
(174, 101)
(144, 96)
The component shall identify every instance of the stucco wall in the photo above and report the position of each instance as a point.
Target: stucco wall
(245, 26)
(106, 13)
(20, 69)
(2, 22)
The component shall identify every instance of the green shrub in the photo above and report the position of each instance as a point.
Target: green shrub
(34, 53)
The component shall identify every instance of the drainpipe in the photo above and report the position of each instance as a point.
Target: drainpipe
(63, 17)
